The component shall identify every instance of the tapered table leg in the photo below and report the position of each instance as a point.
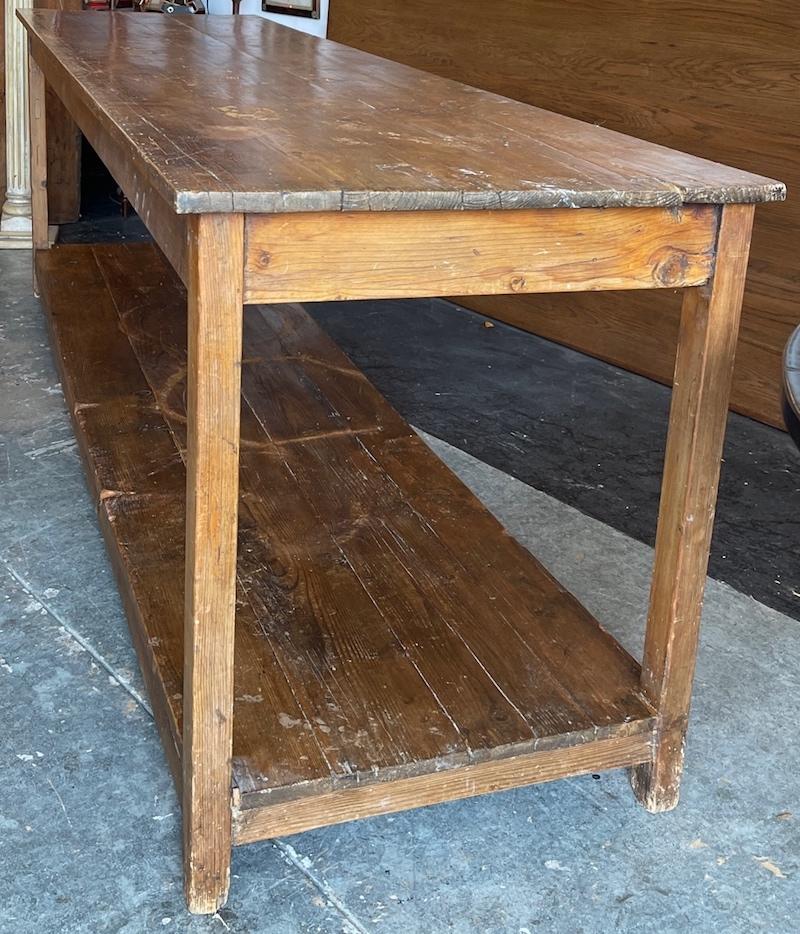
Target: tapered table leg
(703, 369)
(213, 405)
(38, 156)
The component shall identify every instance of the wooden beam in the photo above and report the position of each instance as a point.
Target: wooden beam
(213, 407)
(38, 149)
(63, 145)
(703, 370)
(419, 254)
(302, 814)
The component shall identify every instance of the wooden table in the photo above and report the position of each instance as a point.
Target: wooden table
(381, 642)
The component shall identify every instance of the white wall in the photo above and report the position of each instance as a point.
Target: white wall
(317, 27)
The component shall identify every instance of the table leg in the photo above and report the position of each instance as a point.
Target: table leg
(38, 157)
(703, 369)
(216, 250)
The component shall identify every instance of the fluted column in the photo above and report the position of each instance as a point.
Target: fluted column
(15, 225)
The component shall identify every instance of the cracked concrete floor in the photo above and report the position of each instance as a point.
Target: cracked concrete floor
(89, 822)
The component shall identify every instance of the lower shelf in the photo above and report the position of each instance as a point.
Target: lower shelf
(395, 646)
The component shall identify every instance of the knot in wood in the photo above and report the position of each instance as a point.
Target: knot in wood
(672, 268)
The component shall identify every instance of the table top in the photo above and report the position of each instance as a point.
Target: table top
(236, 113)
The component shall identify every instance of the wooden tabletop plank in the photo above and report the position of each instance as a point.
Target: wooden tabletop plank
(241, 114)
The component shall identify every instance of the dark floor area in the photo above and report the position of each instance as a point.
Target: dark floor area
(105, 215)
(583, 431)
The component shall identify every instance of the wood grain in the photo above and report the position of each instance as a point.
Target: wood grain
(293, 123)
(382, 713)
(721, 85)
(387, 626)
(280, 820)
(376, 626)
(168, 229)
(212, 496)
(132, 468)
(466, 597)
(38, 157)
(63, 145)
(317, 257)
(698, 416)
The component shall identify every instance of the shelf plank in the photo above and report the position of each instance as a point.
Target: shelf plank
(388, 628)
(360, 801)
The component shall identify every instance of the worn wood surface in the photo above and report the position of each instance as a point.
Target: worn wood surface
(419, 254)
(213, 391)
(63, 163)
(38, 156)
(280, 820)
(293, 123)
(689, 492)
(387, 625)
(168, 229)
(132, 467)
(715, 79)
(63, 145)
(369, 622)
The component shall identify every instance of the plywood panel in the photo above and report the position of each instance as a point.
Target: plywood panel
(716, 80)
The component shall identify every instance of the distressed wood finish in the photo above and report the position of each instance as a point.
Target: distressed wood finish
(132, 470)
(308, 410)
(38, 150)
(715, 79)
(63, 145)
(352, 256)
(370, 135)
(63, 163)
(281, 820)
(702, 381)
(168, 229)
(329, 623)
(387, 626)
(213, 389)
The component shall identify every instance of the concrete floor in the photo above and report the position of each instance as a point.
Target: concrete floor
(589, 434)
(89, 822)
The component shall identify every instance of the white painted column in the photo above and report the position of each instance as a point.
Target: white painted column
(15, 224)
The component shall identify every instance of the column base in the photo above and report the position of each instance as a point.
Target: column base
(22, 240)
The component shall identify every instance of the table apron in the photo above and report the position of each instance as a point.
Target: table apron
(328, 257)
